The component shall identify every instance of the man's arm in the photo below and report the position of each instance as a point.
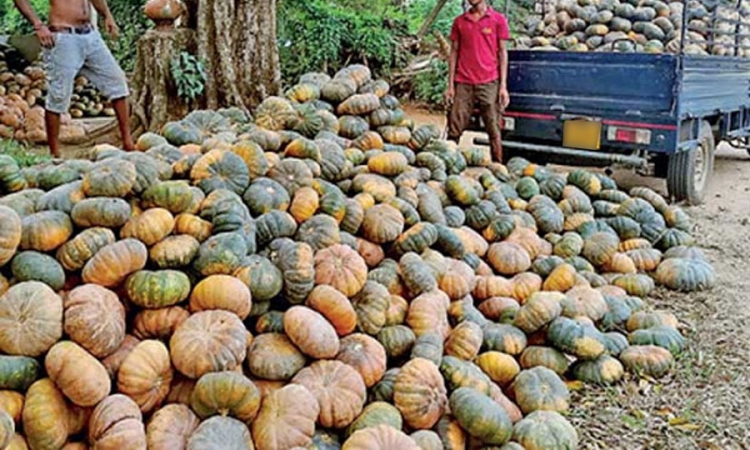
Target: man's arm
(41, 30)
(452, 62)
(109, 21)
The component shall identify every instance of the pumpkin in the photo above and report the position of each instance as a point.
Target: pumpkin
(101, 212)
(261, 276)
(459, 373)
(382, 223)
(584, 301)
(685, 274)
(220, 254)
(193, 226)
(94, 318)
(158, 323)
(338, 388)
(548, 357)
(272, 356)
(226, 432)
(31, 317)
(150, 227)
(117, 423)
(208, 341)
(311, 332)
(17, 373)
(31, 265)
(226, 393)
(661, 336)
(157, 289)
(112, 263)
(508, 258)
(286, 419)
(504, 338)
(109, 178)
(500, 309)
(220, 169)
(113, 361)
(82, 378)
(419, 393)
(464, 341)
(635, 284)
(500, 367)
(579, 339)
(428, 346)
(43, 231)
(388, 163)
(170, 427)
(222, 292)
(480, 416)
(604, 369)
(540, 388)
(371, 304)
(45, 415)
(174, 251)
(7, 427)
(174, 196)
(458, 279)
(428, 312)
(145, 375)
(545, 430)
(365, 354)
(641, 320)
(74, 254)
(540, 309)
(647, 359)
(379, 437)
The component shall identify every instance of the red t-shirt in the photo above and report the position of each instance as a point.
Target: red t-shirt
(478, 43)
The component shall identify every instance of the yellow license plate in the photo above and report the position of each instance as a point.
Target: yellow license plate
(583, 134)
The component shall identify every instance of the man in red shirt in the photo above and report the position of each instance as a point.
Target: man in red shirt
(478, 71)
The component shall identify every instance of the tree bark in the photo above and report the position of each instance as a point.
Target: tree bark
(237, 42)
(154, 98)
(431, 17)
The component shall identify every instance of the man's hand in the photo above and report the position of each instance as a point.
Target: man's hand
(449, 94)
(112, 29)
(46, 39)
(503, 98)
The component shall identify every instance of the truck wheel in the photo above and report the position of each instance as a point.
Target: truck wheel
(689, 172)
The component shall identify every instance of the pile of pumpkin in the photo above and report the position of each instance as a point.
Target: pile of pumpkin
(651, 26)
(322, 275)
(23, 123)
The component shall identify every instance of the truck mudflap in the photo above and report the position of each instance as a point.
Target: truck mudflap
(557, 154)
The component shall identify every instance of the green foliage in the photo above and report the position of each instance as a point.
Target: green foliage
(11, 20)
(189, 75)
(417, 11)
(322, 35)
(21, 153)
(429, 87)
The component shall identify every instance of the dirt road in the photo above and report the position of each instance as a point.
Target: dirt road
(705, 402)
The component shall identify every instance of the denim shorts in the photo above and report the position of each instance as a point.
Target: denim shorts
(88, 55)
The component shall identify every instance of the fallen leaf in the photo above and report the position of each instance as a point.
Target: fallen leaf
(574, 385)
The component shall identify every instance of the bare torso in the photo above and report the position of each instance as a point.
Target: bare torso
(69, 13)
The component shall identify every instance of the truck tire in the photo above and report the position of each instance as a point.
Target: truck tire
(689, 172)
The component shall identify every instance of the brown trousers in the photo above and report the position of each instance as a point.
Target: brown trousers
(485, 97)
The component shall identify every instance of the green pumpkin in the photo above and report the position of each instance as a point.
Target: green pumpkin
(545, 430)
(220, 254)
(430, 206)
(225, 210)
(17, 373)
(383, 389)
(618, 312)
(11, 178)
(504, 338)
(295, 260)
(374, 414)
(273, 225)
(61, 198)
(428, 346)
(500, 228)
(157, 289)
(540, 388)
(527, 188)
(371, 305)
(220, 169)
(397, 340)
(603, 370)
(615, 342)
(549, 218)
(174, 196)
(106, 212)
(553, 359)
(416, 239)
(480, 215)
(461, 191)
(264, 195)
(74, 254)
(24, 202)
(662, 336)
(35, 266)
(480, 416)
(320, 231)
(464, 374)
(575, 338)
(647, 359)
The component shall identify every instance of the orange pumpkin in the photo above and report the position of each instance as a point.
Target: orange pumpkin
(222, 292)
(170, 427)
(145, 375)
(366, 355)
(158, 323)
(112, 362)
(311, 332)
(226, 393)
(341, 267)
(381, 437)
(82, 378)
(286, 419)
(338, 388)
(114, 262)
(10, 234)
(420, 394)
(335, 307)
(149, 227)
(116, 424)
(95, 319)
(31, 317)
(45, 415)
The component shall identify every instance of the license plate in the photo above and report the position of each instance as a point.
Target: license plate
(583, 134)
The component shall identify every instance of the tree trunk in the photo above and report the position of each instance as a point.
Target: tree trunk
(154, 98)
(237, 42)
(431, 17)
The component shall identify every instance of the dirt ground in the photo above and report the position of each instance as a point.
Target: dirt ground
(705, 402)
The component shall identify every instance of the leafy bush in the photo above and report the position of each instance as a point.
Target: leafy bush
(429, 87)
(21, 153)
(189, 75)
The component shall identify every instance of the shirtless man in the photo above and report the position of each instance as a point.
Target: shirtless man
(72, 45)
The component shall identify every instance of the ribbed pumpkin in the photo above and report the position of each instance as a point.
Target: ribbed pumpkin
(10, 234)
(112, 263)
(193, 226)
(222, 292)
(82, 378)
(146, 374)
(31, 316)
(480, 416)
(335, 307)
(419, 393)
(500, 367)
(226, 393)
(539, 310)
(158, 323)
(208, 341)
(174, 251)
(272, 356)
(171, 426)
(150, 227)
(365, 354)
(114, 421)
(286, 419)
(380, 437)
(508, 258)
(540, 388)
(220, 169)
(338, 388)
(31, 265)
(382, 223)
(109, 178)
(43, 231)
(647, 359)
(94, 318)
(311, 332)
(157, 289)
(464, 341)
(545, 430)
(548, 357)
(341, 267)
(604, 369)
(74, 254)
(45, 415)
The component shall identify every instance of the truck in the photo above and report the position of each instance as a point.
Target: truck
(662, 114)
